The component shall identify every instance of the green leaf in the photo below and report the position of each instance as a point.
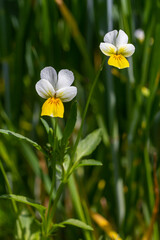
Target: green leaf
(19, 136)
(66, 162)
(85, 162)
(45, 124)
(51, 136)
(77, 223)
(55, 227)
(24, 200)
(89, 162)
(70, 123)
(89, 144)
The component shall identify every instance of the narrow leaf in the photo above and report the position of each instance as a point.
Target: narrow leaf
(70, 123)
(89, 144)
(19, 136)
(45, 124)
(24, 200)
(89, 162)
(55, 227)
(77, 223)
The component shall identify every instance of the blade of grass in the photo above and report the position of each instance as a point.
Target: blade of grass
(10, 192)
(17, 86)
(9, 162)
(76, 35)
(148, 235)
(77, 204)
(33, 162)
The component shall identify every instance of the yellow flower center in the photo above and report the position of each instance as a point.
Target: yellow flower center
(118, 60)
(53, 107)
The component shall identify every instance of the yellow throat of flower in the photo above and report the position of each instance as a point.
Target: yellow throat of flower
(118, 60)
(53, 107)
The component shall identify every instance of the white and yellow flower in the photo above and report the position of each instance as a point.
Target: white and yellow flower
(56, 89)
(116, 46)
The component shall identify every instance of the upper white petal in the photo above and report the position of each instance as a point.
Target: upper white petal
(108, 49)
(110, 37)
(122, 38)
(66, 94)
(65, 78)
(50, 74)
(126, 50)
(45, 89)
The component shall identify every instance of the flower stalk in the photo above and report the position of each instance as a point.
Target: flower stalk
(86, 109)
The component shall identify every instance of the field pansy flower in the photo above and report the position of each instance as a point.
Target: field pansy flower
(56, 89)
(116, 46)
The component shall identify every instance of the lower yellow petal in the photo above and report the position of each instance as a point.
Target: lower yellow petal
(118, 61)
(53, 107)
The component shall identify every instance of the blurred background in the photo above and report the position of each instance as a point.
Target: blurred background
(125, 104)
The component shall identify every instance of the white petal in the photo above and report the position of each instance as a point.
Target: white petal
(108, 49)
(65, 79)
(50, 74)
(122, 38)
(45, 89)
(66, 94)
(110, 37)
(126, 50)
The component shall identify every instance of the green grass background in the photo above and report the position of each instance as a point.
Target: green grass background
(39, 33)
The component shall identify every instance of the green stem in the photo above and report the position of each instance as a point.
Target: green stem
(51, 191)
(55, 134)
(86, 108)
(53, 175)
(58, 194)
(78, 205)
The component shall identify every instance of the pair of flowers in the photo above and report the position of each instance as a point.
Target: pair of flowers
(57, 88)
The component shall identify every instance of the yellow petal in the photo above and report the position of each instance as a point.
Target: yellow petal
(53, 107)
(118, 61)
